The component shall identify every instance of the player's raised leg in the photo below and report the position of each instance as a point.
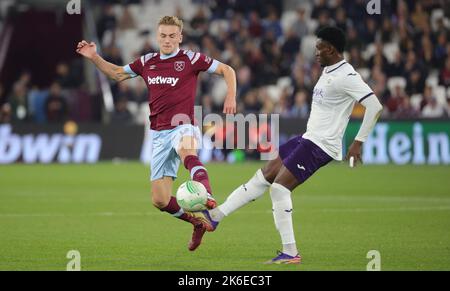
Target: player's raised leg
(255, 187)
(249, 191)
(187, 150)
(163, 200)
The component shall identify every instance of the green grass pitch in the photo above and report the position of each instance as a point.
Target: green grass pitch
(104, 211)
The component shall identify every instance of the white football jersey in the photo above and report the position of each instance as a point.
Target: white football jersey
(334, 96)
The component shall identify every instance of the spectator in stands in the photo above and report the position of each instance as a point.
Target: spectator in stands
(419, 17)
(113, 55)
(207, 105)
(244, 77)
(107, 21)
(140, 92)
(254, 26)
(229, 51)
(377, 82)
(124, 92)
(283, 105)
(268, 104)
(5, 113)
(353, 40)
(24, 80)
(440, 51)
(272, 24)
(370, 30)
(291, 45)
(444, 74)
(433, 109)
(397, 67)
(19, 102)
(426, 52)
(324, 20)
(287, 54)
(5, 108)
(2, 92)
(395, 100)
(199, 22)
(56, 108)
(319, 7)
(64, 76)
(414, 74)
(387, 30)
(299, 81)
(405, 109)
(405, 42)
(378, 58)
(447, 108)
(427, 96)
(121, 113)
(356, 59)
(415, 83)
(300, 26)
(127, 21)
(251, 102)
(301, 107)
(341, 19)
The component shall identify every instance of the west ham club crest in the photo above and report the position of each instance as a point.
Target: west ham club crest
(179, 66)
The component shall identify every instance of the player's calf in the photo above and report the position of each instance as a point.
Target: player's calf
(176, 211)
(200, 174)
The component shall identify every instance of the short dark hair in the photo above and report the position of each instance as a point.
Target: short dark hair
(334, 35)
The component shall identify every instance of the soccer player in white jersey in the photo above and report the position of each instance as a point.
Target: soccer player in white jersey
(334, 96)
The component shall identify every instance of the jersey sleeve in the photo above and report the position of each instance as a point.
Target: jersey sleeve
(201, 63)
(129, 71)
(354, 86)
(136, 66)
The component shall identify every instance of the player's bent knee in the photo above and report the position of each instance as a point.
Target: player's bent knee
(159, 202)
(271, 169)
(183, 153)
(269, 173)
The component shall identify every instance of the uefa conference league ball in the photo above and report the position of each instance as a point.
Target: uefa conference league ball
(192, 196)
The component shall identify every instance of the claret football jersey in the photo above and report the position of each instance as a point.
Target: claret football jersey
(172, 83)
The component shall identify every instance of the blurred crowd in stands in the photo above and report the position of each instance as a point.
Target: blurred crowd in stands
(403, 54)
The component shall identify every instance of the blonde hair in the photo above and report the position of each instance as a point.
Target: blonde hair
(171, 20)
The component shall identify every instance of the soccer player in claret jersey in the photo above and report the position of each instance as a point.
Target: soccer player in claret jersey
(334, 96)
(171, 77)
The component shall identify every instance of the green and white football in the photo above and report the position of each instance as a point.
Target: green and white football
(192, 196)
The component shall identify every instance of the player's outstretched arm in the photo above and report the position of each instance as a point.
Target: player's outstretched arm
(89, 51)
(373, 111)
(228, 73)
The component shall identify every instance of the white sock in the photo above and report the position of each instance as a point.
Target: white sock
(282, 215)
(244, 194)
